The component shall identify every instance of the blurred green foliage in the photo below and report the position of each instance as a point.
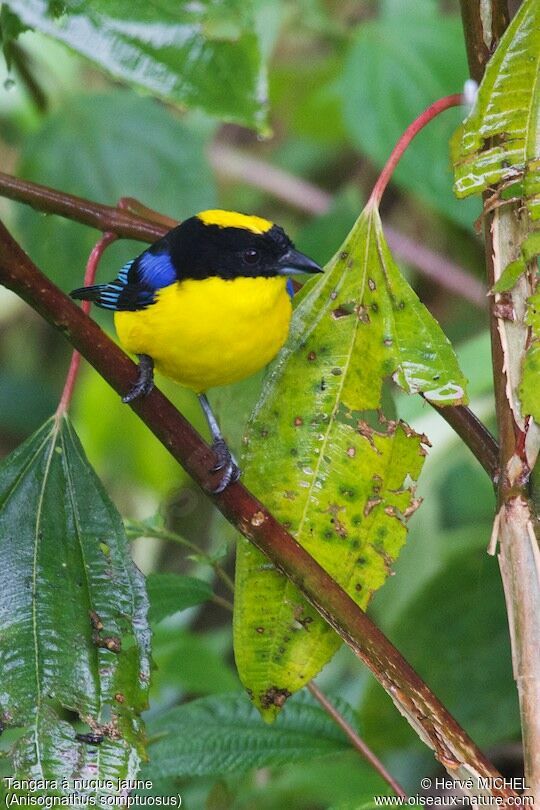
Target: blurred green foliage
(345, 79)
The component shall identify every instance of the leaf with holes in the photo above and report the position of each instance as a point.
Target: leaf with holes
(341, 480)
(74, 657)
(499, 142)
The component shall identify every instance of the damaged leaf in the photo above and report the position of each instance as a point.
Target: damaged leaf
(74, 657)
(499, 141)
(339, 479)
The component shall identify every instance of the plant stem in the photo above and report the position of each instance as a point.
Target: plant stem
(475, 435)
(89, 276)
(430, 719)
(143, 530)
(356, 740)
(516, 525)
(413, 129)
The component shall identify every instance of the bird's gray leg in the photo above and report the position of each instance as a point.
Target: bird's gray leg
(145, 380)
(225, 459)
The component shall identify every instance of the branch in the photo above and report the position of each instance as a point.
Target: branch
(475, 435)
(122, 222)
(430, 719)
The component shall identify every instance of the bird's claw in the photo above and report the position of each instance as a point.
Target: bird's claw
(226, 463)
(145, 380)
(141, 388)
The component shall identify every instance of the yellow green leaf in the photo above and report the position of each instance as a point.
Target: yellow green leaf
(341, 480)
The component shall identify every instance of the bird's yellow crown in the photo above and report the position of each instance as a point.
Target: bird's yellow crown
(232, 219)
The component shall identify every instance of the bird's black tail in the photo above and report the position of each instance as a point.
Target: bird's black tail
(88, 293)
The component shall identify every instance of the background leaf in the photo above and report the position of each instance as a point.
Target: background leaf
(161, 163)
(224, 733)
(170, 593)
(74, 641)
(204, 55)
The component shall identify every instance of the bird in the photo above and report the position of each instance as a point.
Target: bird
(206, 305)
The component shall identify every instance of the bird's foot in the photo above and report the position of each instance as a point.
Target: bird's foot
(145, 380)
(226, 463)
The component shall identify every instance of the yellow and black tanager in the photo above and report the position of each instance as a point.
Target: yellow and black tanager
(207, 304)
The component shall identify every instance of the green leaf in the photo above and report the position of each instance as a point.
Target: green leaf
(74, 644)
(397, 65)
(205, 55)
(500, 140)
(530, 380)
(10, 28)
(170, 593)
(224, 733)
(341, 484)
(530, 248)
(148, 153)
(191, 663)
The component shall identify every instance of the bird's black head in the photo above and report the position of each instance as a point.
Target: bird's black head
(228, 245)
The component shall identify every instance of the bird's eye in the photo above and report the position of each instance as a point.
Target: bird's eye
(250, 256)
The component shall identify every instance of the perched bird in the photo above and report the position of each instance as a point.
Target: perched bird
(207, 304)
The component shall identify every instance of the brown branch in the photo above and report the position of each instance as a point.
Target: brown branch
(483, 24)
(430, 719)
(475, 435)
(356, 740)
(103, 217)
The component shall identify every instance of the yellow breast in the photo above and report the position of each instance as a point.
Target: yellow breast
(212, 332)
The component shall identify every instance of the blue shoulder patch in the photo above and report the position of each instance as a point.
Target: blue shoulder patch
(290, 287)
(155, 270)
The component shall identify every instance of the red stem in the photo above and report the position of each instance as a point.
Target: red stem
(412, 130)
(89, 275)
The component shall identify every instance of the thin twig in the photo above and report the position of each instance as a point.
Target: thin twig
(356, 740)
(404, 141)
(224, 603)
(311, 199)
(143, 530)
(89, 276)
(430, 719)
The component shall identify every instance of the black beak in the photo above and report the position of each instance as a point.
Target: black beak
(294, 262)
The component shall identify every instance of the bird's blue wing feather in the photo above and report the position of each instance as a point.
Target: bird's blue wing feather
(135, 286)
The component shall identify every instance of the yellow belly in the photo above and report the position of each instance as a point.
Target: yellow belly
(212, 332)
